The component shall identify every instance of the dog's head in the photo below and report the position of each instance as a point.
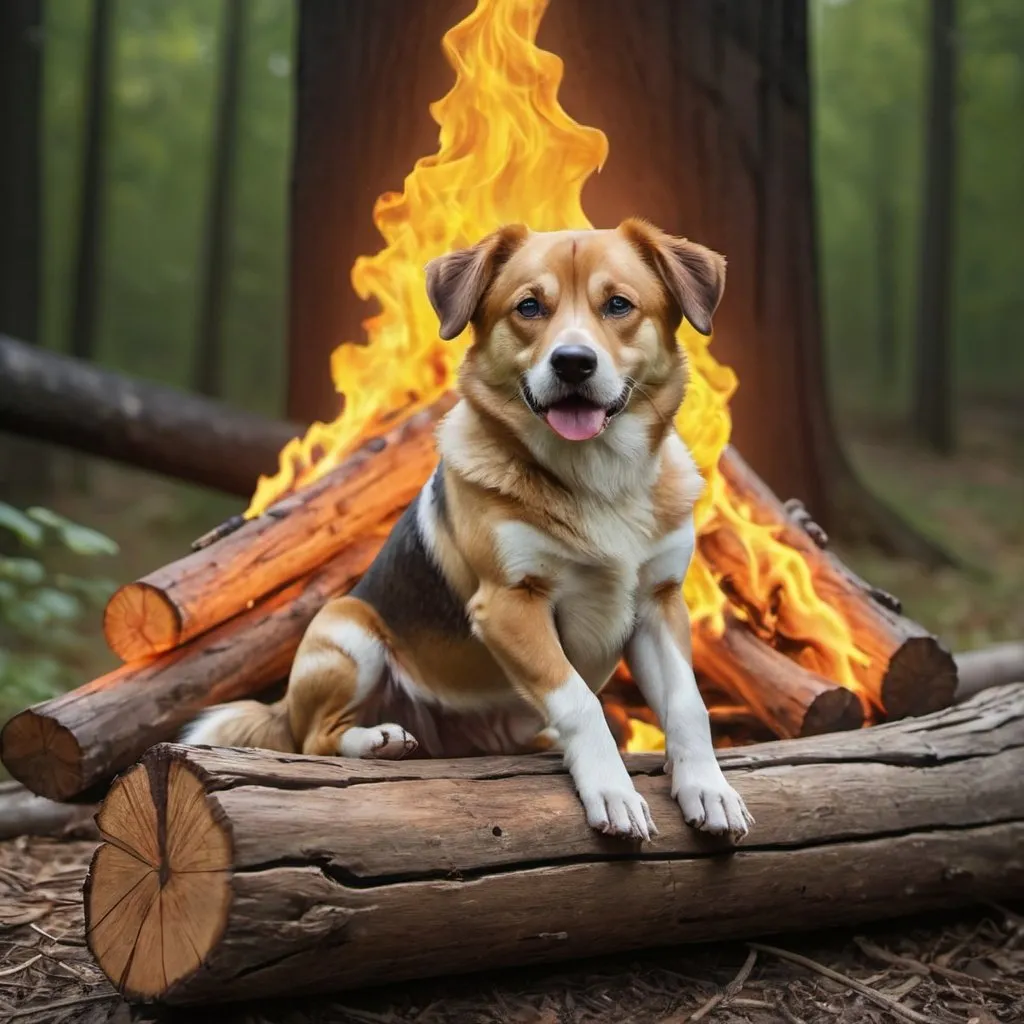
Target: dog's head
(576, 329)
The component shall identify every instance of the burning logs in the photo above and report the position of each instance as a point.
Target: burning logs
(907, 671)
(295, 537)
(238, 874)
(62, 747)
(787, 698)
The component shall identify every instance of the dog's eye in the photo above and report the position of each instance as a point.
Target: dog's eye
(530, 309)
(618, 305)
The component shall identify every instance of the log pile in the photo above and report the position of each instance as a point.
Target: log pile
(240, 874)
(223, 623)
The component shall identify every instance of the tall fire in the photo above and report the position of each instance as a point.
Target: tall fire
(509, 152)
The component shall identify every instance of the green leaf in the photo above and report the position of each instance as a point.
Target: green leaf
(26, 571)
(29, 533)
(95, 592)
(79, 539)
(58, 606)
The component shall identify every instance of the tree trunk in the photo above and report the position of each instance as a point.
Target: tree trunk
(239, 874)
(24, 465)
(933, 352)
(886, 263)
(721, 154)
(208, 369)
(92, 194)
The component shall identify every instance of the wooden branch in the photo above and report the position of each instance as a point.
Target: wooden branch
(196, 593)
(60, 399)
(236, 874)
(989, 666)
(64, 747)
(909, 671)
(787, 698)
(22, 813)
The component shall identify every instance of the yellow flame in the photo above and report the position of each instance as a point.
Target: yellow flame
(507, 153)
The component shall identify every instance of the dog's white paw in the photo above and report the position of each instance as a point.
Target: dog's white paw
(388, 742)
(708, 802)
(618, 811)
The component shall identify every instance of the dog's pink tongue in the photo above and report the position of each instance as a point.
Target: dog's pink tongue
(575, 422)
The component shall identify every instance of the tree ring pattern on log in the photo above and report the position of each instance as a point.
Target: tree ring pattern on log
(34, 747)
(141, 621)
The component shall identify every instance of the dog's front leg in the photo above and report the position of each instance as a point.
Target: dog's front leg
(517, 625)
(659, 658)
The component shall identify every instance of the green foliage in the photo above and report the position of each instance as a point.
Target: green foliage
(42, 608)
(869, 71)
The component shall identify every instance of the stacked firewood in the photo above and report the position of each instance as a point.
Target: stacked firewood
(224, 622)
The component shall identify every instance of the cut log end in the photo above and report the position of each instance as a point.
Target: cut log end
(922, 678)
(833, 710)
(43, 755)
(139, 621)
(159, 889)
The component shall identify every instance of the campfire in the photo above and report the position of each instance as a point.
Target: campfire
(787, 641)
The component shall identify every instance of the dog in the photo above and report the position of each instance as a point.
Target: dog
(551, 541)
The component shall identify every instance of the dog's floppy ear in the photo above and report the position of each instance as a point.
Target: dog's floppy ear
(457, 281)
(694, 275)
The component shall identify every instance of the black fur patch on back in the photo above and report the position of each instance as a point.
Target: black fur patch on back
(406, 587)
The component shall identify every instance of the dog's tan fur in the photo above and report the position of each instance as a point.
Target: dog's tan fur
(531, 563)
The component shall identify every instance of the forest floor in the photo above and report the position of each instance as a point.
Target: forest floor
(962, 968)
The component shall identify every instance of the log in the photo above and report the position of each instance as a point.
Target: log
(989, 666)
(160, 429)
(68, 746)
(909, 672)
(22, 813)
(787, 698)
(185, 599)
(230, 874)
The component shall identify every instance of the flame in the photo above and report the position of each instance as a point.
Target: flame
(507, 153)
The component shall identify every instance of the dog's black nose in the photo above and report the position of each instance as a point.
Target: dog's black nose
(574, 363)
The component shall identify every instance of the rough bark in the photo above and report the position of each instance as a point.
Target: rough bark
(908, 672)
(68, 402)
(190, 596)
(72, 744)
(234, 874)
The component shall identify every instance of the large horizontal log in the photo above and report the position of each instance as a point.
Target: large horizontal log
(22, 813)
(787, 698)
(989, 666)
(908, 671)
(294, 537)
(235, 874)
(64, 400)
(64, 747)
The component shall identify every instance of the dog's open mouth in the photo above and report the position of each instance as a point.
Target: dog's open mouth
(577, 418)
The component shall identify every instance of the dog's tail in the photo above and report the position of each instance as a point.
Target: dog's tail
(243, 723)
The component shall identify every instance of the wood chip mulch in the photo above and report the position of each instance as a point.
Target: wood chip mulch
(966, 968)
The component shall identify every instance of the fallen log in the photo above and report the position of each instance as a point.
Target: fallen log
(174, 604)
(57, 398)
(64, 747)
(787, 698)
(22, 813)
(908, 671)
(989, 666)
(232, 874)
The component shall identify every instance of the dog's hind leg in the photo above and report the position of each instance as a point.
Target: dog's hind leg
(341, 661)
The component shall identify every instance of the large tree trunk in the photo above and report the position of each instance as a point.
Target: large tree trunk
(24, 465)
(208, 368)
(707, 110)
(239, 874)
(933, 355)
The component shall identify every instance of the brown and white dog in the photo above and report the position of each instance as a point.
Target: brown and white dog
(552, 539)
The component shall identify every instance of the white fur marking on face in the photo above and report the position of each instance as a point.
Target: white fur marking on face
(609, 798)
(604, 387)
(362, 647)
(388, 742)
(205, 728)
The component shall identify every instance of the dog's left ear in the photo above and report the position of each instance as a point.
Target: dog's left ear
(458, 281)
(694, 275)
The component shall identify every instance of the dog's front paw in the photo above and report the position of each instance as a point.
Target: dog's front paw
(388, 742)
(708, 802)
(618, 811)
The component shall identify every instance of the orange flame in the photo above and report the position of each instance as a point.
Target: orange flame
(507, 153)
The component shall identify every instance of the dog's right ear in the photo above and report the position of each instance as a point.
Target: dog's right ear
(458, 281)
